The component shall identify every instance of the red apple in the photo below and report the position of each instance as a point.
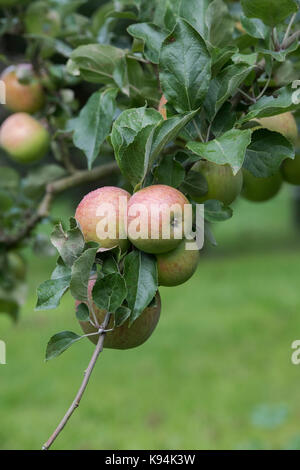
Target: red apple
(24, 138)
(157, 218)
(177, 266)
(102, 217)
(125, 337)
(27, 97)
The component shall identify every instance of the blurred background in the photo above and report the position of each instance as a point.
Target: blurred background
(216, 374)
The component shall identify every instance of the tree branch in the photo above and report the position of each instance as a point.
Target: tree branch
(83, 386)
(52, 189)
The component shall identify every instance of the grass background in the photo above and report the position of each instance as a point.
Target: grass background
(216, 374)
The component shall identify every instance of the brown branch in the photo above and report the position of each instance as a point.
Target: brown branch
(52, 189)
(83, 386)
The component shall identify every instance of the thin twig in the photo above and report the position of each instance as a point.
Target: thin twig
(287, 33)
(247, 96)
(52, 189)
(289, 41)
(83, 386)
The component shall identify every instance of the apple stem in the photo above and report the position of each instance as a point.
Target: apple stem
(79, 395)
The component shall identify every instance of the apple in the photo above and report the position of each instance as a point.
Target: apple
(223, 185)
(260, 189)
(284, 123)
(24, 138)
(17, 265)
(162, 107)
(290, 170)
(23, 97)
(158, 217)
(177, 266)
(125, 337)
(102, 217)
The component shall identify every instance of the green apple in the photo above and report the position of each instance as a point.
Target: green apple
(290, 170)
(223, 185)
(23, 97)
(177, 266)
(284, 123)
(260, 189)
(125, 337)
(158, 217)
(17, 265)
(102, 217)
(24, 138)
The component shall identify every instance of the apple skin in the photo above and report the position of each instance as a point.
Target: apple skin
(223, 185)
(177, 266)
(17, 265)
(260, 189)
(290, 170)
(125, 337)
(88, 220)
(158, 196)
(284, 123)
(24, 138)
(20, 97)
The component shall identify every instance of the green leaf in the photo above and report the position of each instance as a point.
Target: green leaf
(229, 148)
(223, 86)
(215, 211)
(281, 55)
(93, 124)
(59, 343)
(281, 102)
(95, 63)
(141, 281)
(195, 184)
(224, 120)
(131, 138)
(220, 56)
(37, 179)
(271, 12)
(169, 172)
(81, 273)
(255, 27)
(109, 292)
(82, 312)
(185, 68)
(220, 24)
(69, 244)
(249, 59)
(266, 153)
(9, 179)
(166, 131)
(194, 11)
(50, 293)
(153, 37)
(121, 315)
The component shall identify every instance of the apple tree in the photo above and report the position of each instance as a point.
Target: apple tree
(180, 102)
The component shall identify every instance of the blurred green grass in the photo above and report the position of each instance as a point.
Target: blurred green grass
(216, 374)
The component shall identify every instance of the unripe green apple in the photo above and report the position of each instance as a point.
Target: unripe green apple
(23, 97)
(102, 217)
(177, 266)
(260, 189)
(24, 138)
(17, 265)
(290, 170)
(125, 337)
(284, 123)
(158, 217)
(223, 185)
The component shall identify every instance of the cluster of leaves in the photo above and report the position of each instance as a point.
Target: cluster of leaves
(220, 67)
(125, 284)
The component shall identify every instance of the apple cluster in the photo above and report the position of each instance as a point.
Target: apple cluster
(175, 264)
(22, 136)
